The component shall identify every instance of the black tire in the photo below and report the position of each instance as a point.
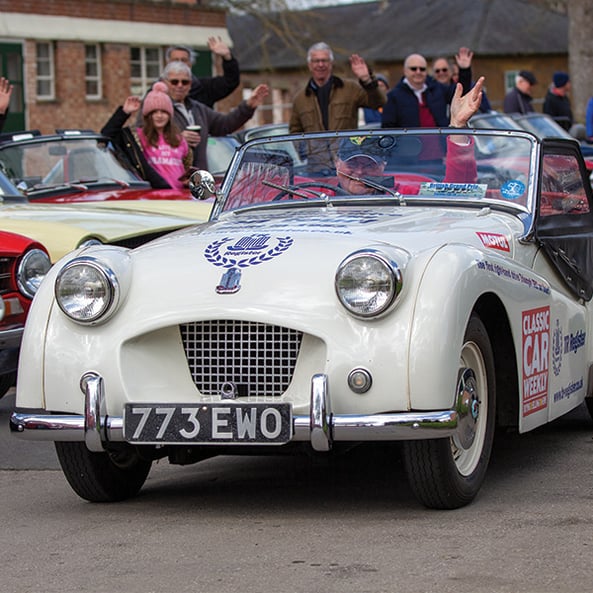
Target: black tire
(103, 477)
(448, 473)
(6, 382)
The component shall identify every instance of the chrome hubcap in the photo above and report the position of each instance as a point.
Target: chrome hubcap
(468, 408)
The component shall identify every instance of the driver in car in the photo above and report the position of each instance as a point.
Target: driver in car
(360, 160)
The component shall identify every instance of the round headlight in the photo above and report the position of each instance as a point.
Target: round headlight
(31, 270)
(86, 291)
(367, 283)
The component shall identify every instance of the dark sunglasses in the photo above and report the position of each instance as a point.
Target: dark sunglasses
(177, 81)
(439, 70)
(416, 68)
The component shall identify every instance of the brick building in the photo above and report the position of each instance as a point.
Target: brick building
(73, 61)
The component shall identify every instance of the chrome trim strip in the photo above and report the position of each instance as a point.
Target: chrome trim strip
(375, 427)
(401, 426)
(92, 386)
(319, 420)
(320, 427)
(44, 427)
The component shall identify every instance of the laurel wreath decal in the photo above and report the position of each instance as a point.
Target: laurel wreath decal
(212, 254)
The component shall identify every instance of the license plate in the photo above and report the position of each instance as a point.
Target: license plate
(211, 424)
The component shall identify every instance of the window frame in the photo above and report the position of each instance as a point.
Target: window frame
(93, 79)
(148, 68)
(49, 78)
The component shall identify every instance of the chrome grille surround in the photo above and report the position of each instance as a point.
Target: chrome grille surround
(258, 358)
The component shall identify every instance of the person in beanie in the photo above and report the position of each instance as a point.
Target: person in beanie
(157, 150)
(557, 102)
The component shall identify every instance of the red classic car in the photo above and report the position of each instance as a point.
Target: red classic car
(23, 264)
(80, 165)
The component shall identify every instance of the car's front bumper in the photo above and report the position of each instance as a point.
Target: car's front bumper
(320, 427)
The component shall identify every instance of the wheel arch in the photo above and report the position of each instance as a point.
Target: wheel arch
(493, 315)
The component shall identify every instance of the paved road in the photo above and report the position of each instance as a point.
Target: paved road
(231, 525)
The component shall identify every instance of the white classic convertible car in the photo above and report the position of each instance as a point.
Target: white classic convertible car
(421, 286)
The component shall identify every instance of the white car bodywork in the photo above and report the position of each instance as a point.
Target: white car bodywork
(274, 265)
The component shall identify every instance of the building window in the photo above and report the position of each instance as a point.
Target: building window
(146, 64)
(46, 89)
(92, 71)
(509, 80)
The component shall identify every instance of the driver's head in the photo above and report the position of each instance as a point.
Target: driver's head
(359, 157)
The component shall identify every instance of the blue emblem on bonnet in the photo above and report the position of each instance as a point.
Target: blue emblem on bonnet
(249, 250)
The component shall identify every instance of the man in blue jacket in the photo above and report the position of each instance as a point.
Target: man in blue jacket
(418, 100)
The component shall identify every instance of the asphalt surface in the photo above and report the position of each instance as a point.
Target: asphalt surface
(293, 525)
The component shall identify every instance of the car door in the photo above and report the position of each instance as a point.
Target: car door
(564, 231)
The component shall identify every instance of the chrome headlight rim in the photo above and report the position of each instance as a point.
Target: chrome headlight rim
(27, 284)
(109, 279)
(395, 280)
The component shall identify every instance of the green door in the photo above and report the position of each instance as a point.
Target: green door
(11, 67)
(203, 63)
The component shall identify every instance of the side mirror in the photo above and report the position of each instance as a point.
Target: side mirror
(202, 185)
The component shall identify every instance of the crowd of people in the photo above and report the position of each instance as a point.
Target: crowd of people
(167, 137)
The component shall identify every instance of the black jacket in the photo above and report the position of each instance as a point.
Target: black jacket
(208, 90)
(559, 108)
(213, 123)
(128, 146)
(401, 109)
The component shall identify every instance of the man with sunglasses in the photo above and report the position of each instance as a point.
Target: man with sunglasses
(420, 101)
(446, 73)
(189, 113)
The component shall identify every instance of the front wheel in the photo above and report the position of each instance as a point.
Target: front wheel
(448, 473)
(108, 476)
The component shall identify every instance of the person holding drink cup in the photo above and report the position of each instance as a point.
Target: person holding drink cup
(188, 112)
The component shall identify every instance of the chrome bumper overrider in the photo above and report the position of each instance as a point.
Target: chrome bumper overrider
(320, 427)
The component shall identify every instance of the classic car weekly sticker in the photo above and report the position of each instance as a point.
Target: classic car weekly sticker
(464, 190)
(536, 354)
(234, 254)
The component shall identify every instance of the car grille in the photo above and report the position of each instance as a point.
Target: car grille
(6, 274)
(258, 358)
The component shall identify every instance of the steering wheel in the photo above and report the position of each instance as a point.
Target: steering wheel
(337, 190)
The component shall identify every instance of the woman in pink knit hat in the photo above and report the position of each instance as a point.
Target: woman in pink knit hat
(157, 150)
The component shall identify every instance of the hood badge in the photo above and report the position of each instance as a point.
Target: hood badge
(249, 250)
(230, 282)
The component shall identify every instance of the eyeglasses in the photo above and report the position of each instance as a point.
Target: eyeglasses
(416, 68)
(439, 70)
(362, 166)
(320, 61)
(177, 81)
